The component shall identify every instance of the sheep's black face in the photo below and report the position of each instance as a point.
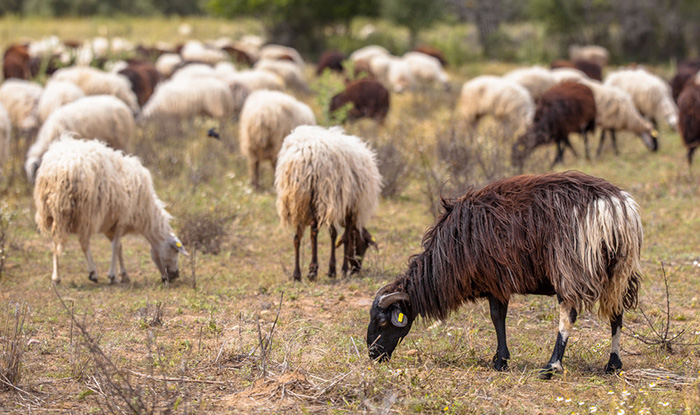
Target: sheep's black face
(651, 139)
(387, 326)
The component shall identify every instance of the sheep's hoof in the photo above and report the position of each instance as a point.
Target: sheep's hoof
(548, 371)
(125, 278)
(331, 273)
(92, 276)
(296, 276)
(55, 281)
(500, 364)
(614, 364)
(112, 278)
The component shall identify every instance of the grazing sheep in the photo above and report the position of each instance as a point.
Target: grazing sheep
(434, 52)
(5, 136)
(689, 118)
(369, 98)
(57, 94)
(167, 63)
(267, 117)
(193, 70)
(567, 74)
(325, 177)
(593, 53)
(143, 77)
(187, 98)
(16, 62)
(332, 60)
(195, 50)
(367, 53)
(378, 67)
(615, 111)
(500, 98)
(21, 99)
(290, 72)
(96, 82)
(255, 80)
(84, 187)
(591, 69)
(569, 234)
(239, 55)
(651, 95)
(536, 79)
(686, 70)
(426, 70)
(565, 108)
(103, 117)
(279, 52)
(400, 76)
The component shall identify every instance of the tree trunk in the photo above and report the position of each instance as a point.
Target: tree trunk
(488, 19)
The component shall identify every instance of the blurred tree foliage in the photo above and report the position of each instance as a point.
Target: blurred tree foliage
(298, 23)
(413, 14)
(61, 8)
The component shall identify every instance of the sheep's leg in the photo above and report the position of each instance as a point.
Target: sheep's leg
(253, 166)
(585, 145)
(92, 268)
(560, 154)
(297, 242)
(124, 275)
(567, 317)
(346, 252)
(116, 247)
(313, 266)
(614, 142)
(600, 142)
(615, 363)
(57, 249)
(331, 263)
(691, 151)
(499, 310)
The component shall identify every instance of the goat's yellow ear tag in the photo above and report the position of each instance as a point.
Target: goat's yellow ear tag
(400, 318)
(654, 133)
(178, 244)
(373, 239)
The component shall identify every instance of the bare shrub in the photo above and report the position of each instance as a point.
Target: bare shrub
(204, 232)
(5, 222)
(12, 349)
(393, 164)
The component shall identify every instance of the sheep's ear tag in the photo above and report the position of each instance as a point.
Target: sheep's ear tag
(178, 246)
(398, 318)
(654, 133)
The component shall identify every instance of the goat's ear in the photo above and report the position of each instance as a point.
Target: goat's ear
(398, 318)
(177, 245)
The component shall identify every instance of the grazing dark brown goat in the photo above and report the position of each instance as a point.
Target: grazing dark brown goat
(369, 99)
(689, 118)
(144, 78)
(239, 55)
(569, 234)
(331, 59)
(16, 62)
(565, 108)
(434, 52)
(686, 71)
(591, 69)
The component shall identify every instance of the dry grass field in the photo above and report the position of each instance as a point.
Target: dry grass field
(236, 335)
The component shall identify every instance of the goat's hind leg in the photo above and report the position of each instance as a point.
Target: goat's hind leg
(499, 310)
(615, 363)
(567, 317)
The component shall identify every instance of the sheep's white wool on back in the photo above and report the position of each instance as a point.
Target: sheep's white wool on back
(278, 51)
(426, 68)
(55, 95)
(5, 135)
(96, 82)
(166, 63)
(650, 94)
(367, 53)
(85, 187)
(20, 98)
(536, 79)
(499, 97)
(333, 172)
(187, 98)
(615, 108)
(267, 117)
(291, 73)
(567, 74)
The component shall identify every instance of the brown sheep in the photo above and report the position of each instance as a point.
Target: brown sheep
(143, 77)
(568, 107)
(686, 71)
(689, 117)
(434, 52)
(331, 59)
(591, 69)
(16, 62)
(239, 55)
(369, 98)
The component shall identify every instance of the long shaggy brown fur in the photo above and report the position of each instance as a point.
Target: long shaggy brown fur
(689, 117)
(566, 233)
(369, 98)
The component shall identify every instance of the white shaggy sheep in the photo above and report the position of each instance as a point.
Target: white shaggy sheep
(20, 99)
(615, 111)
(367, 53)
(103, 117)
(379, 65)
(267, 117)
(325, 177)
(96, 82)
(84, 187)
(166, 64)
(426, 69)
(194, 70)
(57, 94)
(500, 98)
(194, 50)
(5, 135)
(536, 79)
(567, 74)
(290, 72)
(651, 94)
(255, 80)
(187, 98)
(593, 53)
(223, 69)
(279, 52)
(400, 76)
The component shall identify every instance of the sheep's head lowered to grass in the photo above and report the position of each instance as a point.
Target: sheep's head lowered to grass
(165, 255)
(390, 321)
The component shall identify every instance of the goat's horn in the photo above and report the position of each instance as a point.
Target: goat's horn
(389, 299)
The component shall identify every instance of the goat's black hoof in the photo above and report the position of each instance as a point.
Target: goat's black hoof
(499, 364)
(92, 276)
(547, 372)
(614, 364)
(331, 273)
(312, 275)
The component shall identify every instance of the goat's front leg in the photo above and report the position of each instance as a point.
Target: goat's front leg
(499, 310)
(567, 317)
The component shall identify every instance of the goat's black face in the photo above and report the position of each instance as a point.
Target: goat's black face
(387, 325)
